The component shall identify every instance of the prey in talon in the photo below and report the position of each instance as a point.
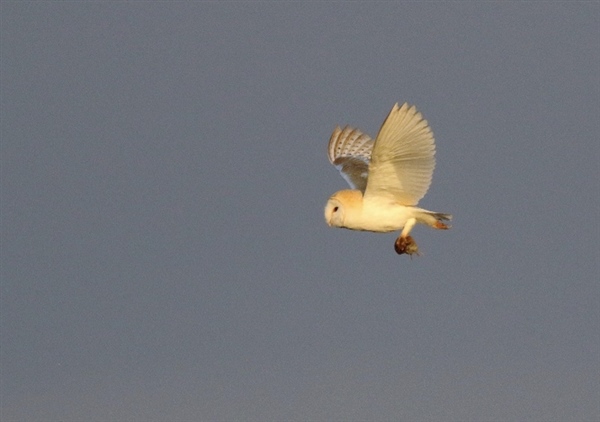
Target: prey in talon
(406, 245)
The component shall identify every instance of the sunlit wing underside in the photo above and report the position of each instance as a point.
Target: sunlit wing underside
(402, 159)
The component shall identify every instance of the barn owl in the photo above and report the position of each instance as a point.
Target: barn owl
(388, 177)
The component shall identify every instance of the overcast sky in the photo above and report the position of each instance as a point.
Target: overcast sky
(164, 254)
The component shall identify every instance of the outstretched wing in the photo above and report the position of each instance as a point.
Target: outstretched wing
(350, 152)
(402, 160)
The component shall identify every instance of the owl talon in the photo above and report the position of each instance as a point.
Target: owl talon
(406, 245)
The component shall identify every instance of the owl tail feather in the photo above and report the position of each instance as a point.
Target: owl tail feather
(436, 219)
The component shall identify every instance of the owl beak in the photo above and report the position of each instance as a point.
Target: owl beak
(326, 217)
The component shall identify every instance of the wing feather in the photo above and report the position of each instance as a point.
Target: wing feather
(402, 159)
(350, 152)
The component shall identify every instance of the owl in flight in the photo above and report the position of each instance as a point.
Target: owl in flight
(388, 177)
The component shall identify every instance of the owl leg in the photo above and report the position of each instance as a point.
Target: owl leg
(405, 243)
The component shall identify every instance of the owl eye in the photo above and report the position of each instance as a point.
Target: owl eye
(335, 209)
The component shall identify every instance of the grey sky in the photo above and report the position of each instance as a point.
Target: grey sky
(164, 252)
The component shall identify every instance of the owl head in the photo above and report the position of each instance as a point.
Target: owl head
(341, 206)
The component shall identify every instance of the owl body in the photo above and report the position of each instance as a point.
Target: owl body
(349, 209)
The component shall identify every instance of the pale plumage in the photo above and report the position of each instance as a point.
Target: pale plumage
(388, 175)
